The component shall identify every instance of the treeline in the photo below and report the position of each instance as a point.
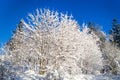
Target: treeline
(109, 46)
(113, 35)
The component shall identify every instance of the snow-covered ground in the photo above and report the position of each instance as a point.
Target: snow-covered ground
(31, 75)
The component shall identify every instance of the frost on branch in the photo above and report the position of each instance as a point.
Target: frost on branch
(51, 41)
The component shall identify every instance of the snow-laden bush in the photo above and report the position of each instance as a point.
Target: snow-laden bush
(7, 72)
(111, 59)
(50, 41)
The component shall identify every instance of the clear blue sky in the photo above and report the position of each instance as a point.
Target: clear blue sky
(97, 11)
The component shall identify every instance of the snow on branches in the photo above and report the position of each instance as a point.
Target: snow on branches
(51, 41)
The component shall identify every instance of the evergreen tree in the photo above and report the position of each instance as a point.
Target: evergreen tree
(17, 37)
(115, 33)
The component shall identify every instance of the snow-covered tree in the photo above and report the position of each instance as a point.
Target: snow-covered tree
(14, 48)
(111, 59)
(50, 41)
(115, 33)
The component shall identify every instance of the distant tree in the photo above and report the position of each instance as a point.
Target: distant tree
(17, 37)
(115, 33)
(96, 29)
(91, 27)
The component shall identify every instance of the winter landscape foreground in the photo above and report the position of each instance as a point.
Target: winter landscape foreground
(52, 46)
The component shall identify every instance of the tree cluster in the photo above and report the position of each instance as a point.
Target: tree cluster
(48, 41)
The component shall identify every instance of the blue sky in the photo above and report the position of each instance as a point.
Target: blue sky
(97, 11)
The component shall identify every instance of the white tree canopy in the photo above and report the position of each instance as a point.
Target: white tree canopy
(51, 41)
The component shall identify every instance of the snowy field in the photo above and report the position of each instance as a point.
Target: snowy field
(30, 75)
